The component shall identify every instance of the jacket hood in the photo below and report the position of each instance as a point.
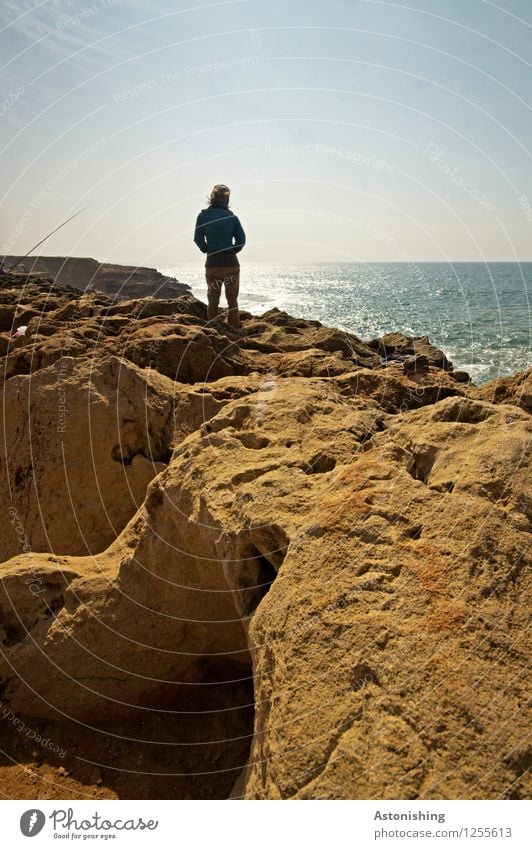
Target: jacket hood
(216, 210)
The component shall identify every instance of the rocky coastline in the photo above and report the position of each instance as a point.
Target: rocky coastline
(88, 275)
(275, 563)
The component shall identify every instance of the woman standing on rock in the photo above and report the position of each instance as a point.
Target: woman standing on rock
(220, 235)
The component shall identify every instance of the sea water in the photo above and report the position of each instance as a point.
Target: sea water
(479, 314)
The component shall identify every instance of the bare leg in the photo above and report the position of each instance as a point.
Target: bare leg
(231, 293)
(214, 288)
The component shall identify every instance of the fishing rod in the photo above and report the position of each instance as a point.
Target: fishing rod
(47, 237)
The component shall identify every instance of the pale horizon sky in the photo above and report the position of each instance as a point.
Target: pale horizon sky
(348, 131)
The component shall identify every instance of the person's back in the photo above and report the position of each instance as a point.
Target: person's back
(220, 232)
(220, 235)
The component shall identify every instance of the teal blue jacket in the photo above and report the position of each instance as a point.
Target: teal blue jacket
(218, 229)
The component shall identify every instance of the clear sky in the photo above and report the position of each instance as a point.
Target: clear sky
(348, 130)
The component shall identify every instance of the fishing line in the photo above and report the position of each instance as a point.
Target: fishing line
(47, 237)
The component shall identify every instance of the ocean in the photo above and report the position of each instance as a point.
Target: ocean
(479, 314)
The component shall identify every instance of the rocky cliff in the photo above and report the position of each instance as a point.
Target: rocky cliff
(85, 274)
(270, 563)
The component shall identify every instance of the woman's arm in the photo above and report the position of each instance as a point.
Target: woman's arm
(199, 235)
(238, 235)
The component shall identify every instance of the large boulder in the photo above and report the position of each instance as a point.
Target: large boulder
(390, 652)
(81, 442)
(516, 389)
(398, 346)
